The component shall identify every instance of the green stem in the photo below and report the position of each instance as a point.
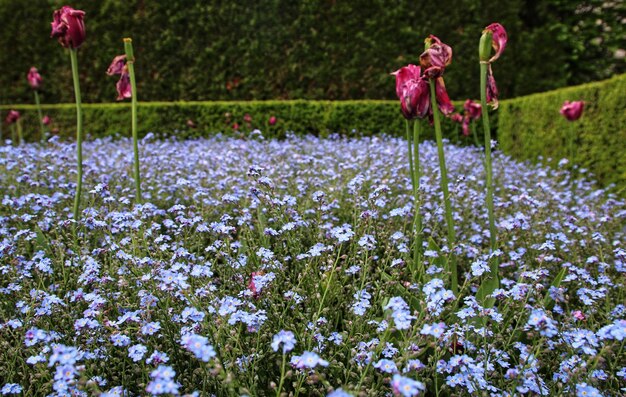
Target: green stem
(474, 134)
(444, 187)
(130, 62)
(408, 141)
(282, 375)
(417, 225)
(18, 125)
(79, 134)
(40, 115)
(492, 282)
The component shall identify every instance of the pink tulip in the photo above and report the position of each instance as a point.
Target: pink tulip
(498, 39)
(12, 117)
(272, 120)
(117, 66)
(123, 87)
(465, 125)
(435, 58)
(68, 27)
(472, 109)
(247, 118)
(34, 78)
(46, 120)
(413, 91)
(492, 89)
(572, 110)
(457, 118)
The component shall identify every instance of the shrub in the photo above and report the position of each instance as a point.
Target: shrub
(531, 127)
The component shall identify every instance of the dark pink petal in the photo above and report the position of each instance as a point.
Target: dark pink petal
(12, 117)
(498, 39)
(443, 101)
(492, 89)
(466, 121)
(68, 27)
(46, 120)
(412, 90)
(117, 66)
(572, 110)
(473, 109)
(272, 120)
(123, 87)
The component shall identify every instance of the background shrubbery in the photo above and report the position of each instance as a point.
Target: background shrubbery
(309, 49)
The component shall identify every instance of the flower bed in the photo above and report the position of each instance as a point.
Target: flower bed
(260, 267)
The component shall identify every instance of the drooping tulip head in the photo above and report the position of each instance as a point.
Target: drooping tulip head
(123, 87)
(46, 120)
(413, 92)
(472, 109)
(498, 42)
(435, 58)
(118, 65)
(12, 116)
(572, 110)
(68, 27)
(34, 78)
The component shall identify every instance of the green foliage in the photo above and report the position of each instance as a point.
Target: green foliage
(171, 118)
(190, 50)
(531, 126)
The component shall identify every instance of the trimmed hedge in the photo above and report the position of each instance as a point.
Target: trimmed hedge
(167, 118)
(531, 126)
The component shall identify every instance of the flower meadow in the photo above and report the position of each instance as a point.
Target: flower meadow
(283, 267)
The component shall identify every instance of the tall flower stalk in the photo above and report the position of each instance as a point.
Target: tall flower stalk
(35, 80)
(494, 36)
(130, 64)
(412, 90)
(435, 58)
(68, 27)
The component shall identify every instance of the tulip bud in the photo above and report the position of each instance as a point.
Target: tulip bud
(34, 78)
(46, 120)
(484, 47)
(272, 120)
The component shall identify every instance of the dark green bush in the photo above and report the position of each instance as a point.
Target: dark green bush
(531, 126)
(171, 118)
(194, 50)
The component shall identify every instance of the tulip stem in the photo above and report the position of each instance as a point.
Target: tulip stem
(417, 225)
(40, 114)
(79, 134)
(491, 282)
(474, 134)
(18, 126)
(452, 268)
(410, 154)
(130, 62)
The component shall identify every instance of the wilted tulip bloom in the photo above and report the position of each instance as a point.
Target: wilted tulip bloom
(46, 120)
(12, 117)
(472, 109)
(457, 118)
(117, 66)
(413, 91)
(435, 58)
(492, 89)
(247, 118)
(272, 120)
(572, 110)
(34, 78)
(498, 39)
(68, 27)
(123, 87)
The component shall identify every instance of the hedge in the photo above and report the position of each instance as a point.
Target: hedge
(195, 50)
(531, 126)
(166, 118)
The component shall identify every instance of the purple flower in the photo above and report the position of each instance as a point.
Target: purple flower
(406, 387)
(286, 338)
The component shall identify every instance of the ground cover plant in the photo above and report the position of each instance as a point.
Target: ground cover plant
(268, 267)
